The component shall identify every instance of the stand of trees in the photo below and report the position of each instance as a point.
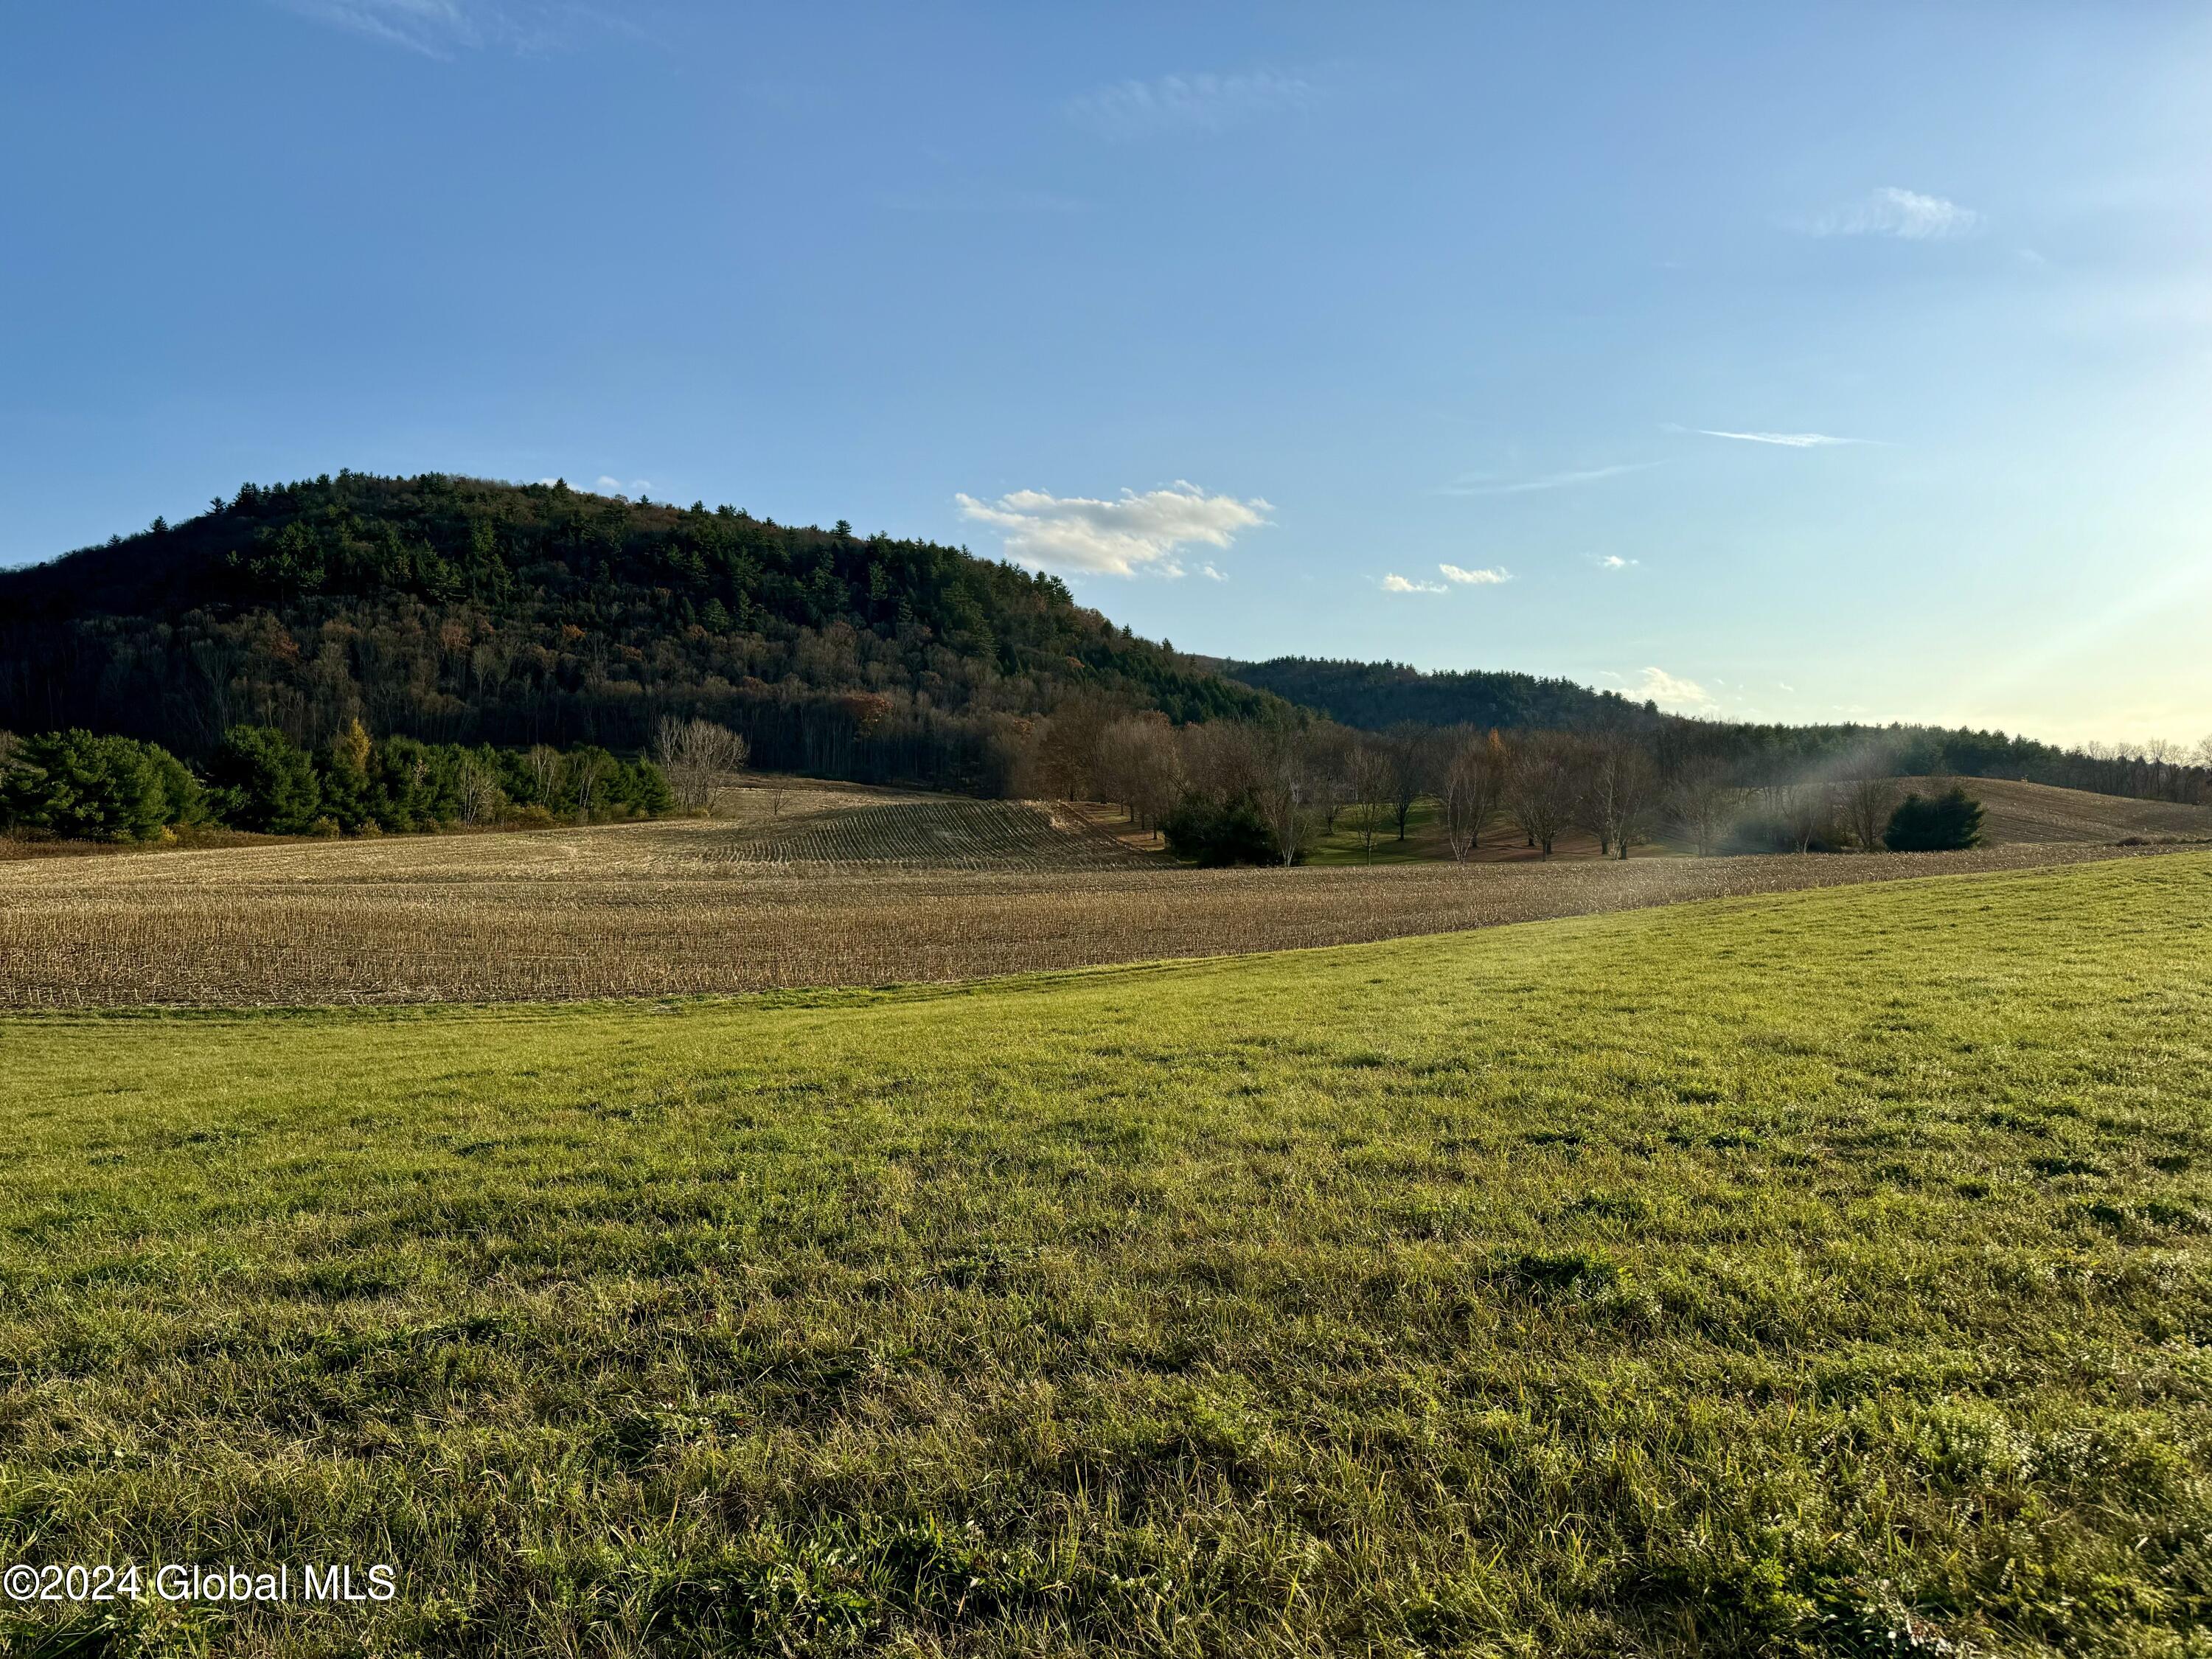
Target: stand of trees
(1386, 696)
(76, 786)
(1241, 792)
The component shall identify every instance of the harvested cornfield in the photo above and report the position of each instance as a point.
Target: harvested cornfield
(670, 909)
(2036, 813)
(941, 834)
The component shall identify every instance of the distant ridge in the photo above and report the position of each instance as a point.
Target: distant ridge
(1376, 695)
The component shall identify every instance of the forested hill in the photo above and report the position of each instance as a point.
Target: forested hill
(459, 610)
(1376, 695)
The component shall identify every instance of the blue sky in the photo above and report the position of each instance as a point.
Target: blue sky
(1466, 336)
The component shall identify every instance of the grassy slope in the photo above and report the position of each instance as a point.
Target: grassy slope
(1824, 1271)
(1427, 842)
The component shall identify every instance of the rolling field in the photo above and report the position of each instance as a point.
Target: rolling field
(2023, 813)
(1819, 1272)
(840, 896)
(941, 834)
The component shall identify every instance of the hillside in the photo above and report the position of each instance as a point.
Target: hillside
(459, 610)
(1375, 696)
(1563, 1291)
(2015, 813)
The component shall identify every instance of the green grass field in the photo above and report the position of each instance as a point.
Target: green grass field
(1827, 1273)
(1424, 838)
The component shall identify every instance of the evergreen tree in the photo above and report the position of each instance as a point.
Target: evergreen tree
(263, 780)
(183, 800)
(349, 794)
(1217, 834)
(83, 787)
(642, 789)
(1948, 823)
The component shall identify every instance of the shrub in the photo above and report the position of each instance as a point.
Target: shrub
(1948, 823)
(1216, 834)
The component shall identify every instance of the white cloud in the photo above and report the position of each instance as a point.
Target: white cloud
(1907, 215)
(1671, 690)
(1787, 439)
(1397, 584)
(1188, 103)
(1489, 578)
(1614, 562)
(438, 28)
(1479, 486)
(1210, 574)
(1118, 537)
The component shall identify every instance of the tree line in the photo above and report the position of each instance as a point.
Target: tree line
(77, 785)
(1387, 696)
(1260, 792)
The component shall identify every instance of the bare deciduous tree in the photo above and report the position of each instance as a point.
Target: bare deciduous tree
(1620, 789)
(1368, 777)
(1220, 760)
(583, 773)
(1406, 751)
(481, 797)
(1867, 805)
(1139, 766)
(698, 757)
(1283, 792)
(545, 764)
(1328, 770)
(1542, 787)
(1474, 789)
(1066, 747)
(1806, 813)
(1703, 804)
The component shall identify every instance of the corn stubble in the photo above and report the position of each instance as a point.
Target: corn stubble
(923, 892)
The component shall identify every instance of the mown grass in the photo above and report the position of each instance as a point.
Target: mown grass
(1823, 1273)
(1347, 843)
